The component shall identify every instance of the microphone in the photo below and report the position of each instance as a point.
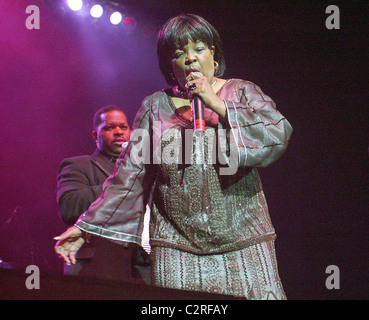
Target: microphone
(198, 111)
(198, 115)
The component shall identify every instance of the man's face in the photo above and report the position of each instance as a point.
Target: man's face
(112, 133)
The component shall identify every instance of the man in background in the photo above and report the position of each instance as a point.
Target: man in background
(79, 183)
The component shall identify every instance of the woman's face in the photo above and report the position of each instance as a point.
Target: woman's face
(193, 57)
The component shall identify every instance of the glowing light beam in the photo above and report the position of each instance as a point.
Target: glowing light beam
(96, 11)
(75, 5)
(116, 18)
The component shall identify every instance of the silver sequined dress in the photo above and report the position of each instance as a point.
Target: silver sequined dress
(210, 228)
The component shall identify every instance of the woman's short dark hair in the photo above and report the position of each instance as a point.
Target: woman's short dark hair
(177, 31)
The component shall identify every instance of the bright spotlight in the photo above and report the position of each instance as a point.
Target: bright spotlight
(96, 11)
(75, 5)
(116, 18)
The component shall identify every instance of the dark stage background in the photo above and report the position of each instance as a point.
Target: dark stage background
(53, 79)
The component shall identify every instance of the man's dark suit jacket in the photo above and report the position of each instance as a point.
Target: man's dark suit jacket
(80, 181)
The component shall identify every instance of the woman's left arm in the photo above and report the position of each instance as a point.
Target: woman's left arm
(259, 131)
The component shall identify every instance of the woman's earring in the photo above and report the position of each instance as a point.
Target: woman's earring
(173, 77)
(216, 65)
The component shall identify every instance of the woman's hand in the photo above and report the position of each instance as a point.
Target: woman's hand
(205, 91)
(68, 244)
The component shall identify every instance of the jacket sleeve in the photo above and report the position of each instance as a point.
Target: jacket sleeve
(74, 190)
(260, 133)
(118, 213)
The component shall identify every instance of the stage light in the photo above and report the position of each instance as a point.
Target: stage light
(96, 11)
(130, 23)
(75, 5)
(116, 18)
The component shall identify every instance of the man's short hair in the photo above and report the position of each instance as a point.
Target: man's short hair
(97, 116)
